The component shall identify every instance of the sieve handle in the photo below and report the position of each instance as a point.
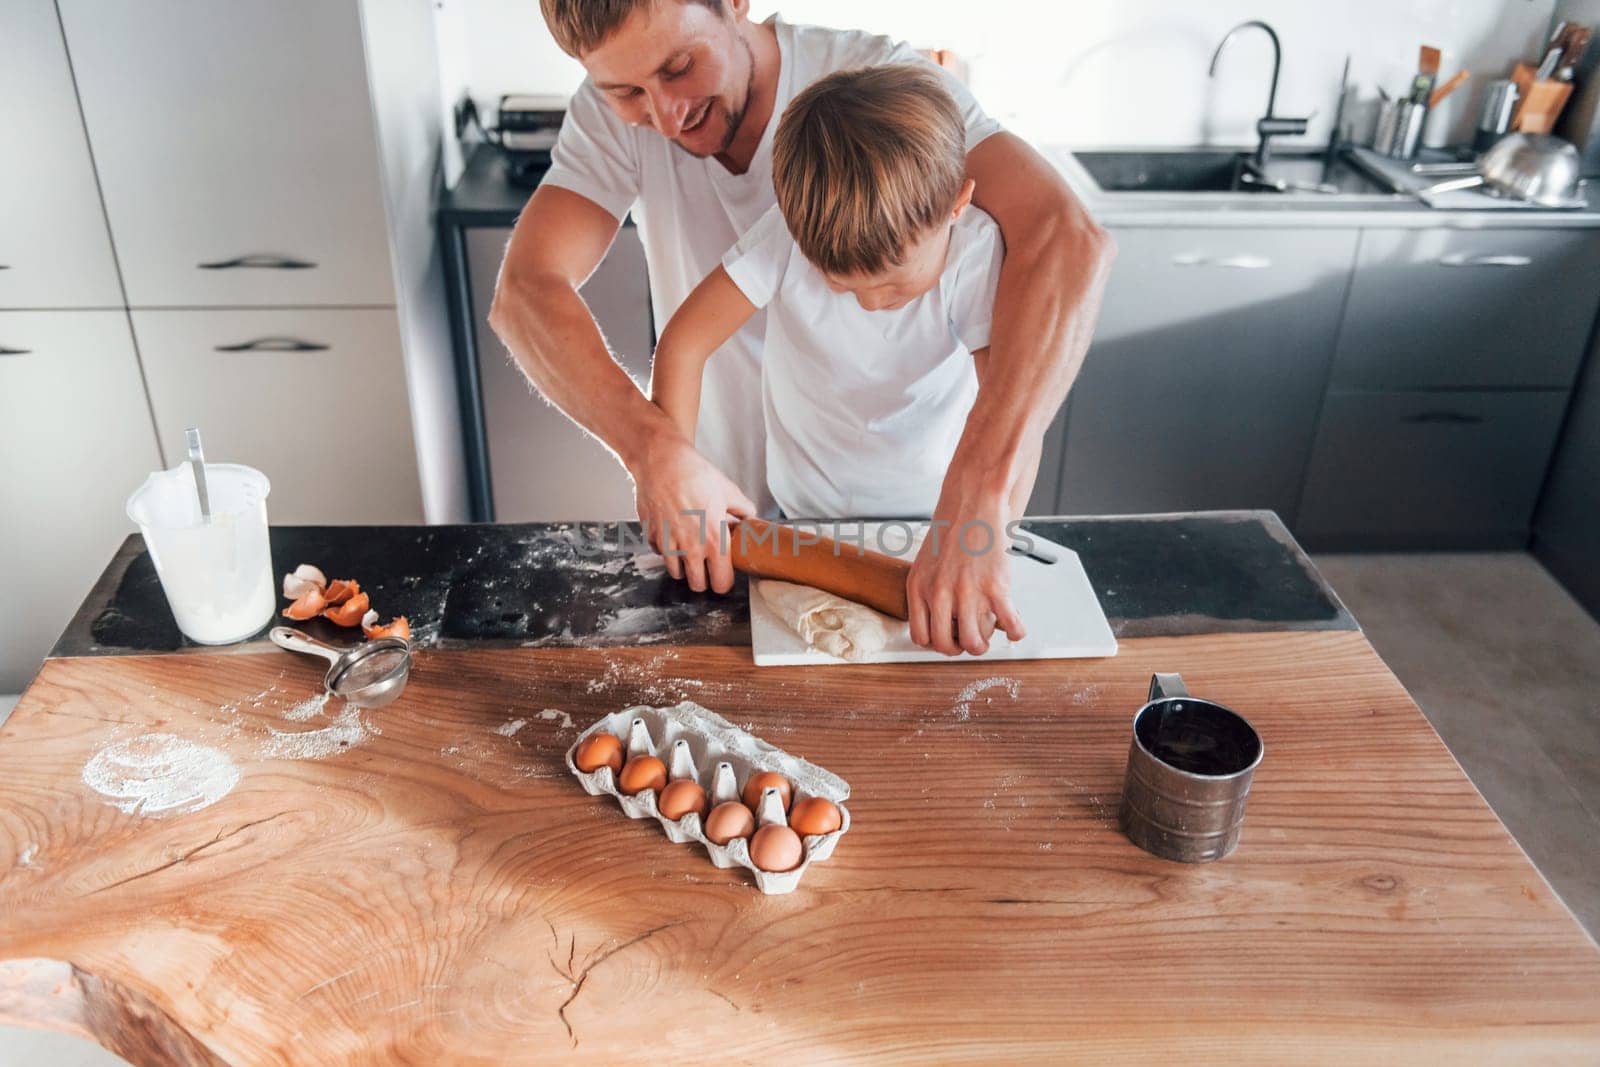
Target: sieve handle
(295, 641)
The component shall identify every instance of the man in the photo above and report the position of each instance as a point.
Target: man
(675, 122)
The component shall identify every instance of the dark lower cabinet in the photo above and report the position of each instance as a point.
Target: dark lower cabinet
(1566, 532)
(1427, 469)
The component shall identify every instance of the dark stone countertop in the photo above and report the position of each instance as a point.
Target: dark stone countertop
(485, 194)
(545, 584)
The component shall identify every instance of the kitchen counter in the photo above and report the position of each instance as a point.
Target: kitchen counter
(426, 882)
(1304, 210)
(555, 584)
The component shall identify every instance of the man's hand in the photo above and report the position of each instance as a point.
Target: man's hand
(684, 501)
(959, 589)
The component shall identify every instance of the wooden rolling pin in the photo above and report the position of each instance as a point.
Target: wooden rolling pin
(778, 550)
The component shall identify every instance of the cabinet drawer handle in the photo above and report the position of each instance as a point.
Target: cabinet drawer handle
(1453, 418)
(274, 344)
(1461, 259)
(4, 351)
(1239, 262)
(258, 261)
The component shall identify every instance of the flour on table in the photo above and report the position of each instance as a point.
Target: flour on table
(160, 774)
(969, 695)
(348, 730)
(509, 729)
(307, 709)
(26, 859)
(553, 715)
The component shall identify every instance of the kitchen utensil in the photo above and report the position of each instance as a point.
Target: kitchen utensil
(1455, 82)
(1541, 100)
(368, 675)
(1547, 66)
(197, 463)
(1400, 129)
(216, 574)
(1494, 120)
(1525, 166)
(1575, 43)
(1427, 71)
(1190, 766)
(1284, 185)
(795, 554)
(1049, 588)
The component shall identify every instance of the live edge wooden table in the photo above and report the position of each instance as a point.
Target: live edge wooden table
(426, 884)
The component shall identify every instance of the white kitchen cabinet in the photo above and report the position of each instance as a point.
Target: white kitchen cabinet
(75, 441)
(236, 148)
(54, 249)
(313, 397)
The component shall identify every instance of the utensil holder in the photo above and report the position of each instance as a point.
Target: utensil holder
(1540, 103)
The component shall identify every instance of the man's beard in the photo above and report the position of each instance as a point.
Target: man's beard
(735, 119)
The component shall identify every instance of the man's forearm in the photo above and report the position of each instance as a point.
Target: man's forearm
(553, 337)
(1046, 306)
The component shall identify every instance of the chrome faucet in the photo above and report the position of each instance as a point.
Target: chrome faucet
(1268, 126)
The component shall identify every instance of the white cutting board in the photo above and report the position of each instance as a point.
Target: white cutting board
(1058, 607)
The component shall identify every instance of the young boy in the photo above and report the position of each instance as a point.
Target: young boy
(878, 276)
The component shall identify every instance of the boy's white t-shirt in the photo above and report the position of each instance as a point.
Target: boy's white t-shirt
(864, 408)
(690, 211)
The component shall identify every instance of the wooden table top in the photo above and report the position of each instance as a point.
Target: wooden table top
(438, 889)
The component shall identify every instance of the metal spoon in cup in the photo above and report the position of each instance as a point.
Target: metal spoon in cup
(368, 675)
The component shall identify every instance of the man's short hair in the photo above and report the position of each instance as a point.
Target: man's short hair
(867, 161)
(580, 26)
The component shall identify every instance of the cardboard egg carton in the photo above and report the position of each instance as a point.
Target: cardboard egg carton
(696, 743)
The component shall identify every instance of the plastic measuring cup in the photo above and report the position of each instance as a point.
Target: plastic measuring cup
(217, 575)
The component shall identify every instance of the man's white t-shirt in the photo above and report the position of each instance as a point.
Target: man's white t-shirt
(864, 408)
(690, 211)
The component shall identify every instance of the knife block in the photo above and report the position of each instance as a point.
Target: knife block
(1539, 102)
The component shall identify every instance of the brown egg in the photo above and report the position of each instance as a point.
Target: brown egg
(641, 773)
(729, 820)
(762, 781)
(681, 797)
(815, 815)
(598, 750)
(776, 848)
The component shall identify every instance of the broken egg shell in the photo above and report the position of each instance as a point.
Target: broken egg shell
(349, 613)
(596, 751)
(399, 627)
(764, 780)
(341, 589)
(302, 580)
(307, 605)
(815, 816)
(729, 820)
(680, 797)
(641, 773)
(776, 848)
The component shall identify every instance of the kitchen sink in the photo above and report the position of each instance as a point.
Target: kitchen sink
(1221, 171)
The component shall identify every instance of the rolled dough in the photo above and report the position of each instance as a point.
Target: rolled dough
(826, 622)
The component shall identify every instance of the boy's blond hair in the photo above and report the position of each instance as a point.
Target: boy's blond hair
(866, 162)
(580, 26)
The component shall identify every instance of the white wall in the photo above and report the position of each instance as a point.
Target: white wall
(1108, 71)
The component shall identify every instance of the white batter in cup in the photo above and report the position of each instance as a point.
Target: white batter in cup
(217, 575)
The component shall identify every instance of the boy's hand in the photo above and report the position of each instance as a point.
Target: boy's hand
(683, 501)
(959, 589)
